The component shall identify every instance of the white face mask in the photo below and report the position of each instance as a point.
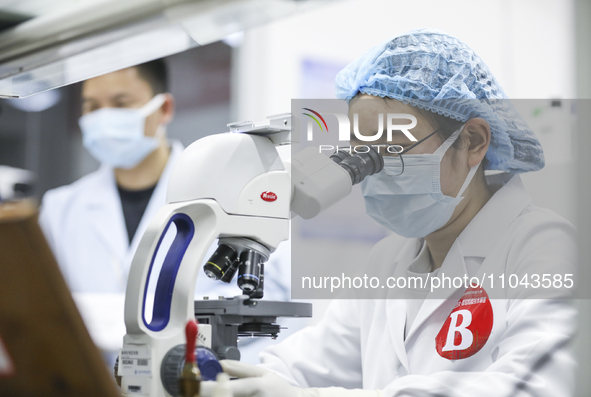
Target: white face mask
(411, 204)
(116, 136)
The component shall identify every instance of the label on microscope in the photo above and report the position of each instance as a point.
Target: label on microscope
(135, 361)
(204, 335)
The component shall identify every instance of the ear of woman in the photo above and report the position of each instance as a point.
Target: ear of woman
(477, 135)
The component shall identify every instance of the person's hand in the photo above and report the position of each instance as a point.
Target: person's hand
(254, 382)
(258, 382)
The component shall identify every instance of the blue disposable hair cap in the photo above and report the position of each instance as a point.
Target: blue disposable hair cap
(437, 72)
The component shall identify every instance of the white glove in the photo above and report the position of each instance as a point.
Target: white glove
(258, 382)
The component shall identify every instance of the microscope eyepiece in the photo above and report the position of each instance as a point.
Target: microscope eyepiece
(359, 165)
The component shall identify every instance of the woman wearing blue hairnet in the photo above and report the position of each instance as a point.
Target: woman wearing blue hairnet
(450, 221)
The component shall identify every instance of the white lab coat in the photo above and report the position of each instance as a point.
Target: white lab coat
(360, 344)
(85, 227)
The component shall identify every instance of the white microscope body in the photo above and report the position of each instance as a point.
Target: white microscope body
(223, 186)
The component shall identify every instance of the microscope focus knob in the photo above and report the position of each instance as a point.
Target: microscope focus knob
(229, 353)
(173, 362)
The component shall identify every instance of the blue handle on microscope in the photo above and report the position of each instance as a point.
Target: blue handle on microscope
(165, 286)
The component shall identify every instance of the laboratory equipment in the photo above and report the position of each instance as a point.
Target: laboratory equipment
(233, 187)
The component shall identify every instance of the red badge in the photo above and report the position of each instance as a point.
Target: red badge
(468, 326)
(268, 196)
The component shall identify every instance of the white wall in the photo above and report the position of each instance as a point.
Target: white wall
(527, 44)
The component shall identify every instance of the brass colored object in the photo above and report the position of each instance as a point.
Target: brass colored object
(190, 380)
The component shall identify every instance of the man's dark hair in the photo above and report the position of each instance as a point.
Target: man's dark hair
(156, 74)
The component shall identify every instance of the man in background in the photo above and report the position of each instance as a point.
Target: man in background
(94, 225)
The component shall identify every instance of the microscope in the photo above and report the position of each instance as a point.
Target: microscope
(235, 188)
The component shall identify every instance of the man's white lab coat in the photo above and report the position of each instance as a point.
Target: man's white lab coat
(84, 225)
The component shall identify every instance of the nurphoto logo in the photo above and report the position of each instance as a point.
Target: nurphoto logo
(344, 130)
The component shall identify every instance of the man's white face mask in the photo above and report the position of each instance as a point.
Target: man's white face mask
(116, 136)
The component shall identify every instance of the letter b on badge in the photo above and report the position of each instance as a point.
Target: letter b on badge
(461, 327)
(467, 328)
